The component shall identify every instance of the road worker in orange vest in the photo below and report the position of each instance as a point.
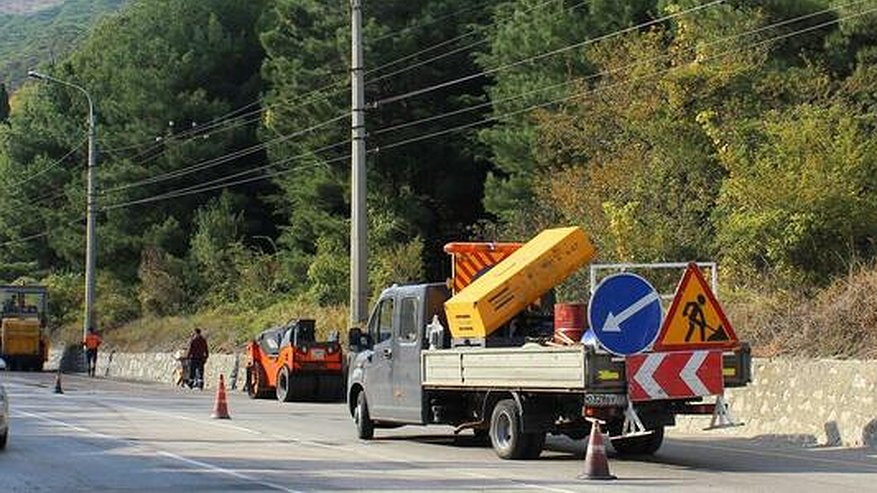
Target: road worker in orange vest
(91, 343)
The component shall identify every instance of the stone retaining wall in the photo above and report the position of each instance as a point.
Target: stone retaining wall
(157, 367)
(810, 402)
(825, 402)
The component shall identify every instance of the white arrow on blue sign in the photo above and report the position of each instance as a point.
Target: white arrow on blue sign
(625, 313)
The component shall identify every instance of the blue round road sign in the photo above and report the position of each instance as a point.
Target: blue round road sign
(625, 313)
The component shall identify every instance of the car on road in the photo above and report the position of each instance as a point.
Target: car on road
(4, 411)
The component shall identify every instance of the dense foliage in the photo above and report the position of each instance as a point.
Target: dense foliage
(739, 131)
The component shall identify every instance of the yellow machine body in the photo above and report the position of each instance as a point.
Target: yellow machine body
(20, 337)
(519, 280)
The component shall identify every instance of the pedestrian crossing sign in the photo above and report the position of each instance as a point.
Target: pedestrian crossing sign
(695, 319)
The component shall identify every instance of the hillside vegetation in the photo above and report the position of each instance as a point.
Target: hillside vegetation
(35, 31)
(671, 130)
(25, 6)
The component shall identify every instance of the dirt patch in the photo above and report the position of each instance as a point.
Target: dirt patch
(839, 321)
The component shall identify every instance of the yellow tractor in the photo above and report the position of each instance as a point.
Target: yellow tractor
(23, 341)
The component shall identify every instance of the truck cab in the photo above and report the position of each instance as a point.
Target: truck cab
(386, 367)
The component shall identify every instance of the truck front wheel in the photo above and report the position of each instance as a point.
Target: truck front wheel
(365, 428)
(507, 437)
(640, 445)
(283, 390)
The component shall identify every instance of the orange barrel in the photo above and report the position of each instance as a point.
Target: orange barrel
(569, 322)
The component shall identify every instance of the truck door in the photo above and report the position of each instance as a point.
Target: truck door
(378, 374)
(407, 391)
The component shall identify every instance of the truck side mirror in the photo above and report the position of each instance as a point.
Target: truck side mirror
(354, 337)
(357, 341)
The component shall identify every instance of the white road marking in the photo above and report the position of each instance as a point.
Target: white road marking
(202, 421)
(645, 376)
(689, 373)
(63, 424)
(228, 472)
(202, 465)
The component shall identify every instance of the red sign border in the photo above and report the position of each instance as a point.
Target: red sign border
(731, 343)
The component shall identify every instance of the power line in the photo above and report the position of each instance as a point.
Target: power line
(604, 73)
(245, 118)
(193, 191)
(195, 132)
(591, 91)
(40, 235)
(210, 163)
(433, 21)
(238, 174)
(190, 190)
(543, 55)
(53, 165)
(484, 73)
(455, 50)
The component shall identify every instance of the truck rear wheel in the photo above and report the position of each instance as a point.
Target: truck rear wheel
(507, 436)
(283, 390)
(640, 445)
(365, 427)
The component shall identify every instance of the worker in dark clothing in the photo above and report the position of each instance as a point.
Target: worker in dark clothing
(92, 342)
(197, 356)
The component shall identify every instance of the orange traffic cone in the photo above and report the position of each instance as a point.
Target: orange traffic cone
(58, 389)
(596, 463)
(220, 408)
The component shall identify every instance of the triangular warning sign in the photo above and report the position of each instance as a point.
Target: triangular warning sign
(695, 319)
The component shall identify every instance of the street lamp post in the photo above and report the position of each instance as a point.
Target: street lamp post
(91, 201)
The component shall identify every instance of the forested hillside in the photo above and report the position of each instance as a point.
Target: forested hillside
(34, 31)
(737, 131)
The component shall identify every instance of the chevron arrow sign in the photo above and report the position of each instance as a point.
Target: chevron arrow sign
(674, 375)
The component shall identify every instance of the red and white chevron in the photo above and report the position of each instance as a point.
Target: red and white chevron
(674, 375)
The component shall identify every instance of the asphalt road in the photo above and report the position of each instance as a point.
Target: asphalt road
(103, 435)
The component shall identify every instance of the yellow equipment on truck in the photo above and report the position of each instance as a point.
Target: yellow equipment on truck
(23, 342)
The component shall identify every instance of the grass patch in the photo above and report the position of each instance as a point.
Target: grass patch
(227, 328)
(839, 321)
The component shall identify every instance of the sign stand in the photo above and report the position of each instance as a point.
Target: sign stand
(633, 426)
(722, 417)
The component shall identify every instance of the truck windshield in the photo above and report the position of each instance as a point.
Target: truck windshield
(23, 302)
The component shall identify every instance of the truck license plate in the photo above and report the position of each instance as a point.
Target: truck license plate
(605, 400)
(318, 353)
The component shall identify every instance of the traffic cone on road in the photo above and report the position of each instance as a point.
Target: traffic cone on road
(220, 407)
(58, 389)
(596, 463)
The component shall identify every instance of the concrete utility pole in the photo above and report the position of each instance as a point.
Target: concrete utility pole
(91, 201)
(358, 226)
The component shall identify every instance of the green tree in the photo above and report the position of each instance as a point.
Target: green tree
(527, 28)
(430, 187)
(158, 71)
(798, 204)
